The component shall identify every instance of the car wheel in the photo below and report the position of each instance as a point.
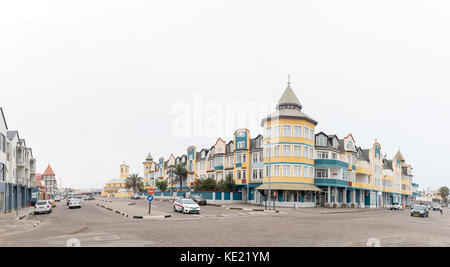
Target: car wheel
(182, 210)
(174, 209)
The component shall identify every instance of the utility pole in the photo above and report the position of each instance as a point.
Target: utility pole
(270, 175)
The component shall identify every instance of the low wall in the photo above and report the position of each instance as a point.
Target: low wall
(212, 197)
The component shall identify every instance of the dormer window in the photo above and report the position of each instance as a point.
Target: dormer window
(335, 143)
(321, 140)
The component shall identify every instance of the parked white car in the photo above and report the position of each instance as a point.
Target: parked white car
(186, 206)
(396, 206)
(42, 206)
(74, 203)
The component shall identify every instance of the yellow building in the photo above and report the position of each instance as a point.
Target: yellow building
(124, 171)
(116, 187)
(289, 153)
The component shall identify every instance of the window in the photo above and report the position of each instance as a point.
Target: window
(238, 174)
(306, 171)
(286, 150)
(239, 158)
(287, 130)
(322, 154)
(277, 130)
(259, 142)
(321, 140)
(244, 174)
(269, 132)
(255, 156)
(286, 170)
(276, 152)
(2, 143)
(297, 131)
(335, 143)
(269, 152)
(260, 171)
(276, 170)
(268, 168)
(297, 171)
(321, 173)
(297, 150)
(333, 156)
(240, 144)
(219, 161)
(255, 174)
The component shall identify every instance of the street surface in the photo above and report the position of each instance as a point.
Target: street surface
(216, 226)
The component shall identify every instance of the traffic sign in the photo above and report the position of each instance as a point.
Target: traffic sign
(150, 198)
(151, 191)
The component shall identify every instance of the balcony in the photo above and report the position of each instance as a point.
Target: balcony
(331, 182)
(330, 163)
(20, 162)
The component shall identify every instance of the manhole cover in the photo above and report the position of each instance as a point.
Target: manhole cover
(107, 237)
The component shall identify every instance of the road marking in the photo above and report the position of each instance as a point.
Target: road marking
(107, 237)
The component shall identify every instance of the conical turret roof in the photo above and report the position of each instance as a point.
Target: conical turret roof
(288, 107)
(149, 157)
(288, 98)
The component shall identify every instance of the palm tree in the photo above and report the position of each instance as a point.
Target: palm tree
(134, 182)
(444, 191)
(180, 172)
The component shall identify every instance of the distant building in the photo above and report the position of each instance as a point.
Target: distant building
(116, 187)
(50, 184)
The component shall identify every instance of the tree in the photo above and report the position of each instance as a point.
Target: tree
(180, 172)
(444, 191)
(162, 185)
(135, 183)
(227, 184)
(208, 184)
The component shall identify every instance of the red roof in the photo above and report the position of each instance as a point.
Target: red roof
(49, 171)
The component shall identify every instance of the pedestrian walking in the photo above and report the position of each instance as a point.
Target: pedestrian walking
(441, 210)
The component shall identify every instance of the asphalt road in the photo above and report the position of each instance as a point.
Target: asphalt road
(95, 226)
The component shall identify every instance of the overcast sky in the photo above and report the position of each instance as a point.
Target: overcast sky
(90, 84)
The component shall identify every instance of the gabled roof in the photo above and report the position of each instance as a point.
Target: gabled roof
(12, 134)
(400, 155)
(353, 139)
(49, 171)
(4, 119)
(387, 164)
(220, 140)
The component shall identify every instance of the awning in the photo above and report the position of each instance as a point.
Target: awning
(292, 187)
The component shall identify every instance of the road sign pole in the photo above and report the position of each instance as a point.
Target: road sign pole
(149, 207)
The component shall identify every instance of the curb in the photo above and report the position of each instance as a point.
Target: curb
(248, 209)
(25, 215)
(135, 217)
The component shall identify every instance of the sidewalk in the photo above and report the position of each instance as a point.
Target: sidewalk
(132, 211)
(321, 210)
(23, 212)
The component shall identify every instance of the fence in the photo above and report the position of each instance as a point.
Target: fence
(212, 197)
